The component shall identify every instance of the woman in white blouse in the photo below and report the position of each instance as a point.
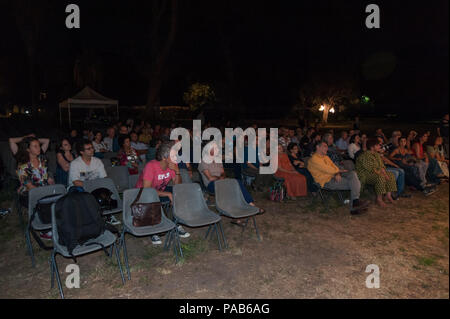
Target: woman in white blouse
(354, 146)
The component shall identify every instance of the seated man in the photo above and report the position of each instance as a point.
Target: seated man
(140, 147)
(334, 154)
(86, 166)
(328, 175)
(111, 141)
(342, 143)
(157, 174)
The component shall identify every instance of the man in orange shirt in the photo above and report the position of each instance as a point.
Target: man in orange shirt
(328, 175)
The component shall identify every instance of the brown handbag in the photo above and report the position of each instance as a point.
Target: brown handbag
(145, 214)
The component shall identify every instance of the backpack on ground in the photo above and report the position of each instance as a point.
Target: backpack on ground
(78, 217)
(277, 192)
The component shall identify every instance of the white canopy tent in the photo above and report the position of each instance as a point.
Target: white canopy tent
(87, 99)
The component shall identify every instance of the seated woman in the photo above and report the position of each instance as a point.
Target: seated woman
(371, 170)
(153, 147)
(211, 172)
(99, 147)
(128, 155)
(311, 146)
(63, 159)
(299, 165)
(428, 168)
(404, 158)
(31, 168)
(251, 168)
(295, 182)
(436, 152)
(354, 146)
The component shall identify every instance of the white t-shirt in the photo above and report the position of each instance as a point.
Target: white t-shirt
(80, 171)
(108, 141)
(139, 146)
(353, 149)
(98, 146)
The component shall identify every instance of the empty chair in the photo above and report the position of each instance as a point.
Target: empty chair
(149, 195)
(119, 174)
(106, 162)
(105, 240)
(132, 180)
(190, 209)
(230, 202)
(109, 155)
(34, 195)
(91, 185)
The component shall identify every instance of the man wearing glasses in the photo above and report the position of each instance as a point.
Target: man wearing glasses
(86, 166)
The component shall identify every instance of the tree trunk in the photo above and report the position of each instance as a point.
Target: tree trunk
(157, 68)
(325, 115)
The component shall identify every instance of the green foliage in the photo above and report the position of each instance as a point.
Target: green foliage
(199, 95)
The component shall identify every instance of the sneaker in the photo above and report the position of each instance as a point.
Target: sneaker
(156, 240)
(182, 233)
(360, 204)
(46, 236)
(428, 191)
(112, 220)
(4, 212)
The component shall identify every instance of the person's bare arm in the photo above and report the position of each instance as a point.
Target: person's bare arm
(13, 141)
(45, 142)
(65, 166)
(209, 176)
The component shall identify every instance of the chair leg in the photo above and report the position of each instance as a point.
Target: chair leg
(125, 254)
(52, 273)
(245, 225)
(223, 235)
(207, 233)
(118, 261)
(58, 279)
(111, 251)
(177, 242)
(30, 247)
(218, 238)
(256, 228)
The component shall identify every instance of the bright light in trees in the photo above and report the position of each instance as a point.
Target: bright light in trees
(322, 108)
(332, 110)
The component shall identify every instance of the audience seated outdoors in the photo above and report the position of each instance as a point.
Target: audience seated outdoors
(435, 151)
(299, 165)
(372, 171)
(211, 170)
(426, 166)
(342, 143)
(335, 155)
(32, 169)
(111, 141)
(295, 182)
(328, 175)
(354, 146)
(85, 166)
(157, 174)
(128, 156)
(99, 146)
(262, 181)
(64, 157)
(404, 158)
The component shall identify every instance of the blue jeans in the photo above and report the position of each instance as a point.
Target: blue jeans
(248, 198)
(399, 174)
(165, 199)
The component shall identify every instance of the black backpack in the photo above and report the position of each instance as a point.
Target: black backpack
(78, 218)
(44, 206)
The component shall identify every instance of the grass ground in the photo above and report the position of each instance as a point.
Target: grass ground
(305, 252)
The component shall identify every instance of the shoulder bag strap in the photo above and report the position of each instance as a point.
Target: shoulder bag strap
(138, 196)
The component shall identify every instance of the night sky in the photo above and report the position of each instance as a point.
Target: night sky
(258, 54)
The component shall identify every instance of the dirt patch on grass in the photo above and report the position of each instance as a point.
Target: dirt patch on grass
(305, 252)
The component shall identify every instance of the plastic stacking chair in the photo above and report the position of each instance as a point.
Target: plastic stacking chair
(323, 191)
(132, 180)
(119, 174)
(34, 195)
(91, 185)
(246, 179)
(149, 195)
(185, 178)
(106, 162)
(231, 203)
(109, 155)
(105, 240)
(190, 209)
(203, 186)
